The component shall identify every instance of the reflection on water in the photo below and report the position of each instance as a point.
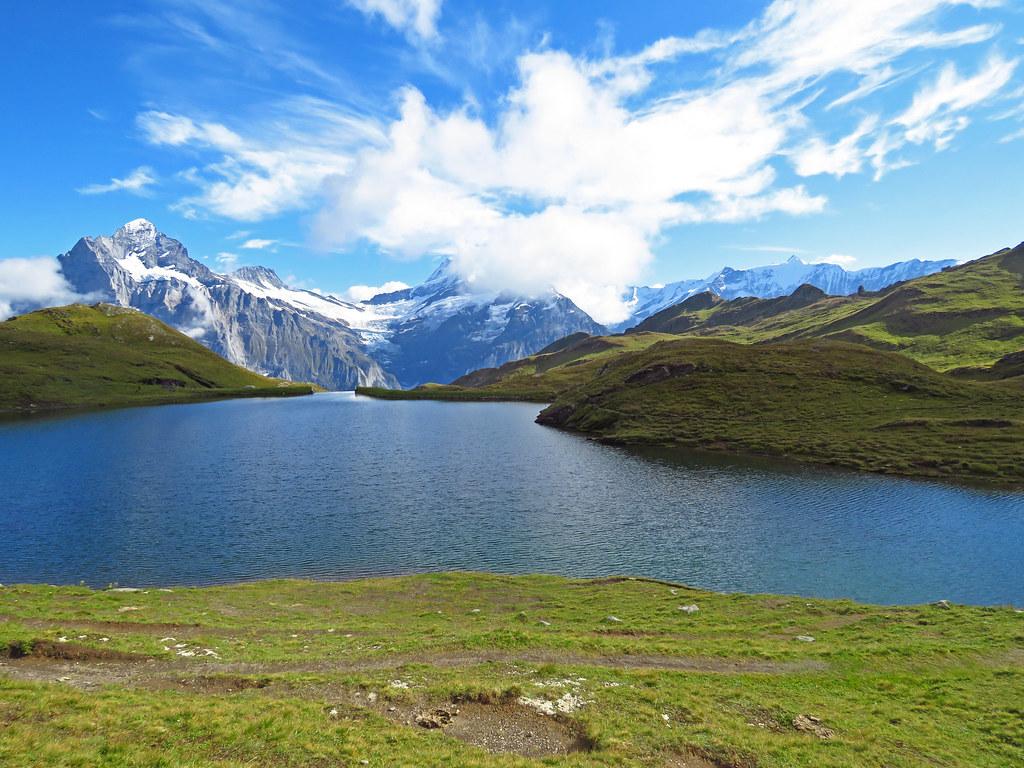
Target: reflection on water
(335, 486)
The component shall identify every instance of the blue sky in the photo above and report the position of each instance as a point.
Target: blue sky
(581, 145)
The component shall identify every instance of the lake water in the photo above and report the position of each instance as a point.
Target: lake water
(334, 486)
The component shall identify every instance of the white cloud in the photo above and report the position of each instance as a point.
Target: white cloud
(226, 261)
(840, 259)
(257, 244)
(367, 292)
(583, 165)
(31, 283)
(805, 39)
(254, 179)
(599, 181)
(136, 182)
(933, 114)
(417, 18)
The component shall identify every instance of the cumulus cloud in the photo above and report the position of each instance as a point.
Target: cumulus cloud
(31, 283)
(570, 177)
(367, 292)
(136, 182)
(569, 187)
(416, 18)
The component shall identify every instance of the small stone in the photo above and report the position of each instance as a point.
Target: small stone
(127, 608)
(664, 717)
(811, 724)
(475, 610)
(689, 608)
(334, 712)
(371, 697)
(364, 762)
(124, 589)
(391, 709)
(437, 718)
(944, 604)
(805, 638)
(614, 619)
(544, 623)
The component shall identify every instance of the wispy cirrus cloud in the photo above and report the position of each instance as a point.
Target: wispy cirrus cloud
(416, 18)
(137, 182)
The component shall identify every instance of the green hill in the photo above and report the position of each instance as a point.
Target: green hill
(821, 401)
(473, 670)
(84, 357)
(966, 318)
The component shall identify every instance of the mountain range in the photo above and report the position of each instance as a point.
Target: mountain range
(773, 281)
(436, 331)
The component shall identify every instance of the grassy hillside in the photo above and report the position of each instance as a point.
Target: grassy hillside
(458, 670)
(79, 357)
(826, 402)
(967, 317)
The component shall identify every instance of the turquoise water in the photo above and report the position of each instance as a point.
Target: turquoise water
(334, 486)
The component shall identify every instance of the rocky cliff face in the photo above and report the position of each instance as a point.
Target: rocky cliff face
(249, 317)
(436, 331)
(441, 329)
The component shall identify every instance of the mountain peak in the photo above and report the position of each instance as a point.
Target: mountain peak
(260, 275)
(137, 232)
(794, 259)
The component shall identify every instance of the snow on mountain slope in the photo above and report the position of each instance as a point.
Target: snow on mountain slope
(436, 331)
(250, 317)
(443, 329)
(776, 280)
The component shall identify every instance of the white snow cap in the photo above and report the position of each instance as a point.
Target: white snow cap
(137, 230)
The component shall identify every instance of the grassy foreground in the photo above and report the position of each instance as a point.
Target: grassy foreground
(89, 357)
(821, 401)
(291, 673)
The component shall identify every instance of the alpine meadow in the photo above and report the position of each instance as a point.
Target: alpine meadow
(440, 383)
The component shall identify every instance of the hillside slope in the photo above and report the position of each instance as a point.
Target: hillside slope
(821, 401)
(966, 317)
(103, 355)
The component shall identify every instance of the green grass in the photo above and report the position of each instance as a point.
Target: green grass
(805, 377)
(899, 686)
(90, 357)
(825, 402)
(967, 317)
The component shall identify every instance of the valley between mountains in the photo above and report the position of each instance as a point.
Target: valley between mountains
(923, 378)
(436, 331)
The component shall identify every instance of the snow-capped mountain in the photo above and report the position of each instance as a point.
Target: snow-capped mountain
(443, 329)
(776, 280)
(436, 331)
(250, 317)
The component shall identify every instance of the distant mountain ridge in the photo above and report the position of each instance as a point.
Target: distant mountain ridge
(776, 280)
(438, 330)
